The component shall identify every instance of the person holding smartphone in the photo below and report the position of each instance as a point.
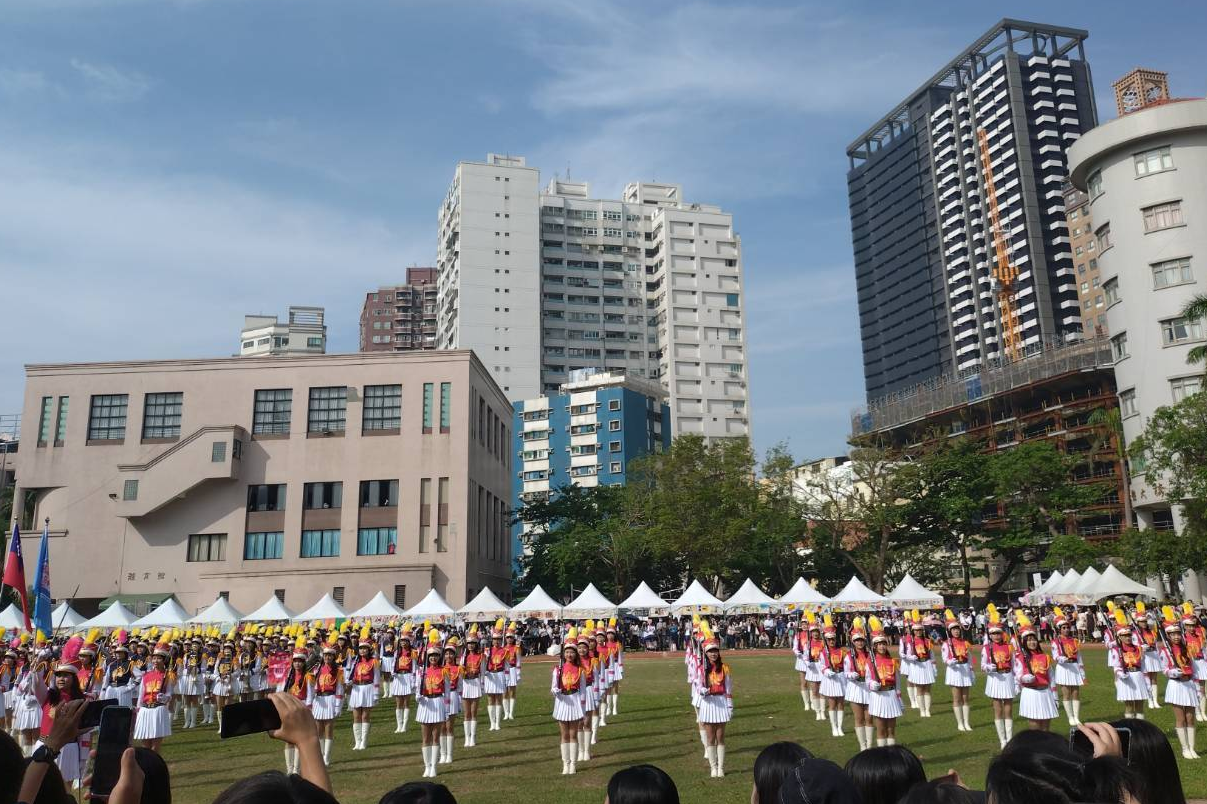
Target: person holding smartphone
(153, 719)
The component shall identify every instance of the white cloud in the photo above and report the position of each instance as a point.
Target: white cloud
(105, 82)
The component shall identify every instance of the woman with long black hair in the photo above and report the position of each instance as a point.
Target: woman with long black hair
(857, 693)
(1180, 690)
(430, 709)
(328, 696)
(959, 674)
(1151, 758)
(454, 688)
(716, 704)
(1069, 672)
(568, 681)
(300, 684)
(1033, 669)
(471, 684)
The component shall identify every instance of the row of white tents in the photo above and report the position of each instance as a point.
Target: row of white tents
(1085, 588)
(486, 606)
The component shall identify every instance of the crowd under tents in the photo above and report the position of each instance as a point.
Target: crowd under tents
(1075, 588)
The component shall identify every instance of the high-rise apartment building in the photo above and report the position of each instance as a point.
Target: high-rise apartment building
(1085, 256)
(303, 334)
(399, 318)
(924, 253)
(489, 270)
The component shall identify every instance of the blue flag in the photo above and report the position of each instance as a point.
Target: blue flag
(42, 585)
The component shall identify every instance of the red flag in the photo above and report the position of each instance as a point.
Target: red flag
(14, 574)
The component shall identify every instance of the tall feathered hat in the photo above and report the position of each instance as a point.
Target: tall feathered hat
(1060, 618)
(949, 619)
(433, 643)
(1122, 626)
(710, 639)
(497, 631)
(995, 619)
(877, 629)
(365, 636)
(1188, 617)
(812, 618)
(1025, 626)
(163, 649)
(611, 625)
(90, 643)
(299, 648)
(915, 620)
(69, 659)
(1169, 620)
(857, 629)
(471, 636)
(828, 629)
(571, 639)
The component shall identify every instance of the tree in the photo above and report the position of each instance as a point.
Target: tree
(772, 557)
(1196, 309)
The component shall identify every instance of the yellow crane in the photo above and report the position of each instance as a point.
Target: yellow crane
(1004, 270)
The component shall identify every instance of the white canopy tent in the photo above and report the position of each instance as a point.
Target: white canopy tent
(11, 619)
(116, 616)
(589, 604)
(802, 595)
(1083, 591)
(325, 608)
(432, 607)
(857, 597)
(644, 602)
(64, 616)
(1066, 584)
(538, 605)
(220, 611)
(749, 599)
(169, 612)
(1113, 582)
(377, 607)
(272, 610)
(696, 600)
(910, 594)
(485, 607)
(1040, 593)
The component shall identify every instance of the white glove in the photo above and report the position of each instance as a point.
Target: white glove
(1119, 675)
(853, 676)
(1062, 659)
(874, 686)
(1028, 678)
(1175, 674)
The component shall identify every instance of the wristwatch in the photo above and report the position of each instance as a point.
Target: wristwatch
(44, 753)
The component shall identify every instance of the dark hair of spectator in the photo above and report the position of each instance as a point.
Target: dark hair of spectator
(884, 774)
(274, 787)
(642, 784)
(938, 792)
(1034, 777)
(419, 793)
(53, 790)
(12, 768)
(1047, 742)
(772, 765)
(817, 781)
(157, 784)
(1151, 758)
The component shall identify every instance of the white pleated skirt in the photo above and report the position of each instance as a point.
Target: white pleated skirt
(1181, 692)
(834, 686)
(153, 723)
(190, 685)
(402, 684)
(885, 704)
(27, 714)
(811, 672)
(1036, 704)
(567, 707)
(494, 683)
(857, 692)
(800, 664)
(714, 709)
(387, 664)
(1200, 669)
(362, 696)
(959, 675)
(923, 672)
(1152, 662)
(618, 672)
(259, 682)
(590, 699)
(513, 676)
(69, 762)
(430, 710)
(1001, 686)
(224, 688)
(1068, 674)
(325, 707)
(124, 695)
(454, 704)
(1131, 687)
(471, 688)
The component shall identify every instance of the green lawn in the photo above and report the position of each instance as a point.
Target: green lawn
(655, 725)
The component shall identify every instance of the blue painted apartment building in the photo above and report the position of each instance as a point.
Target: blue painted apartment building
(586, 434)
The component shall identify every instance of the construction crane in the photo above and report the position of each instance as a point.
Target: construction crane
(1004, 269)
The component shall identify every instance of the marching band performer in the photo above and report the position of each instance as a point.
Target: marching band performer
(430, 709)
(471, 684)
(1196, 643)
(1033, 670)
(921, 668)
(387, 644)
(694, 656)
(402, 683)
(8, 674)
(454, 683)
(328, 697)
(89, 672)
(365, 679)
(883, 680)
(567, 690)
(813, 648)
(27, 709)
(71, 759)
(959, 675)
(857, 693)
(616, 654)
(208, 704)
(716, 703)
(1126, 658)
(997, 660)
(603, 676)
(300, 685)
(800, 649)
(586, 732)
(224, 681)
(512, 677)
(494, 683)
(154, 716)
(1069, 674)
(118, 682)
(191, 681)
(1149, 638)
(1180, 690)
(833, 676)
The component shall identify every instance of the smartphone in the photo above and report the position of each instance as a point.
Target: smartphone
(92, 712)
(112, 740)
(249, 717)
(1082, 745)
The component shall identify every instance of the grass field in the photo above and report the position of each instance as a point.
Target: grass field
(655, 725)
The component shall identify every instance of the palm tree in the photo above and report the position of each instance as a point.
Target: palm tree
(1196, 310)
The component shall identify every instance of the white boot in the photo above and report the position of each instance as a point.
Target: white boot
(838, 716)
(1008, 724)
(594, 727)
(428, 761)
(1185, 743)
(833, 724)
(926, 704)
(890, 740)
(967, 709)
(880, 742)
(958, 711)
(720, 749)
(1153, 703)
(325, 747)
(1190, 742)
(1076, 711)
(219, 716)
(364, 735)
(710, 753)
(819, 708)
(586, 738)
(602, 711)
(406, 717)
(469, 733)
(1000, 725)
(565, 751)
(615, 698)
(861, 738)
(398, 721)
(913, 697)
(806, 699)
(1068, 707)
(704, 741)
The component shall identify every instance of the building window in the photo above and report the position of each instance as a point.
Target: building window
(1110, 290)
(1153, 161)
(1094, 184)
(442, 515)
(317, 496)
(44, 420)
(266, 497)
(315, 342)
(428, 391)
(378, 493)
(218, 452)
(613, 446)
(1181, 330)
(616, 467)
(1103, 236)
(376, 541)
(614, 425)
(613, 404)
(327, 409)
(425, 513)
(161, 415)
(320, 543)
(262, 546)
(1119, 346)
(1127, 403)
(107, 417)
(207, 547)
(446, 405)
(130, 490)
(273, 408)
(60, 425)
(337, 594)
(382, 407)
(1162, 216)
(400, 595)
(1183, 387)
(1172, 272)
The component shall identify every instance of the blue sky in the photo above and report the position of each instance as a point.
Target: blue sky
(166, 167)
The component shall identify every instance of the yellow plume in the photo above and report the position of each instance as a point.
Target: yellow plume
(41, 638)
(1058, 612)
(93, 636)
(1168, 614)
(695, 619)
(1110, 606)
(827, 621)
(874, 623)
(915, 616)
(1120, 617)
(433, 637)
(331, 638)
(427, 625)
(135, 632)
(344, 626)
(1022, 620)
(590, 625)
(364, 633)
(857, 623)
(1140, 607)
(300, 644)
(1188, 608)
(611, 622)
(947, 615)
(571, 635)
(994, 617)
(2, 631)
(811, 617)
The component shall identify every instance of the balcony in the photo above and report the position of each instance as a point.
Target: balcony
(209, 453)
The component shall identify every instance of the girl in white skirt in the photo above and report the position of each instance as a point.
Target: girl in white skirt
(154, 715)
(512, 678)
(386, 649)
(1069, 673)
(883, 680)
(1033, 669)
(471, 684)
(328, 697)
(118, 682)
(813, 649)
(997, 660)
(616, 652)
(494, 683)
(224, 680)
(8, 674)
(800, 650)
(1149, 639)
(569, 677)
(402, 683)
(833, 677)
(364, 681)
(454, 682)
(586, 733)
(922, 673)
(300, 684)
(857, 693)
(190, 682)
(1126, 658)
(603, 680)
(957, 656)
(430, 709)
(1180, 690)
(716, 704)
(1195, 637)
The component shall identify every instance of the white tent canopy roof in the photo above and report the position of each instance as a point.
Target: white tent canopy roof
(378, 606)
(696, 597)
(432, 607)
(63, 616)
(749, 596)
(220, 611)
(1066, 585)
(1088, 580)
(910, 594)
(116, 616)
(538, 604)
(643, 597)
(272, 610)
(1047, 585)
(855, 596)
(325, 608)
(169, 612)
(485, 606)
(1113, 582)
(589, 603)
(802, 593)
(11, 619)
